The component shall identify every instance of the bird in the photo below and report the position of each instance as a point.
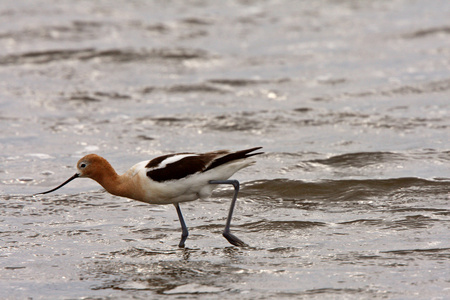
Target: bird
(171, 179)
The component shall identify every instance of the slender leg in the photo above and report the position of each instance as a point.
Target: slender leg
(184, 228)
(226, 233)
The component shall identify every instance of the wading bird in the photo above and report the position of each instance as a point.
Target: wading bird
(171, 179)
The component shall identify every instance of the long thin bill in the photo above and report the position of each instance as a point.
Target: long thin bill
(61, 185)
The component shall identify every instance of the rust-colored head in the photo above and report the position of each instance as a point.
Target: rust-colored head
(90, 166)
(94, 166)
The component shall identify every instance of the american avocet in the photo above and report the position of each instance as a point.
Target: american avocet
(170, 179)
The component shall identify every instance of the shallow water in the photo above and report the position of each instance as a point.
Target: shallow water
(350, 101)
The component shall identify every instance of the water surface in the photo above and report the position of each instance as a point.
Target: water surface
(350, 101)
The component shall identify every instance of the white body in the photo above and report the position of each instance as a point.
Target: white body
(189, 188)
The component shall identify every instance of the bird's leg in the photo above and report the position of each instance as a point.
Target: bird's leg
(226, 233)
(184, 228)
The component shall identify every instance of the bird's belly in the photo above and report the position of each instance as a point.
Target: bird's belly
(161, 200)
(168, 192)
(171, 193)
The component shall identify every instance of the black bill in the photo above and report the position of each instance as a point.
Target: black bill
(61, 185)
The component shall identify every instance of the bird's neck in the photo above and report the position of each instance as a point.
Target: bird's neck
(124, 185)
(110, 180)
(121, 185)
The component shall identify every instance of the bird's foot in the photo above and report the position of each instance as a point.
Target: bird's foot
(184, 236)
(234, 240)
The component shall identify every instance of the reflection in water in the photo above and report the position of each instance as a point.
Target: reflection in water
(172, 273)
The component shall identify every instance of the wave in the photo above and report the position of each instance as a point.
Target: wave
(342, 190)
(108, 55)
(360, 159)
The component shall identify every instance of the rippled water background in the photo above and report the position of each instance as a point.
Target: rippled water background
(350, 100)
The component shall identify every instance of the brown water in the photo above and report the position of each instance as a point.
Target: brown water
(350, 100)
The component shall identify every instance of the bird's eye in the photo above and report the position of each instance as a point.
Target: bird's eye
(82, 165)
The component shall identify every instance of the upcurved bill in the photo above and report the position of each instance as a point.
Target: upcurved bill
(61, 185)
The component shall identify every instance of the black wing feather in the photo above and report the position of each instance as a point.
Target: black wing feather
(192, 164)
(177, 170)
(232, 156)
